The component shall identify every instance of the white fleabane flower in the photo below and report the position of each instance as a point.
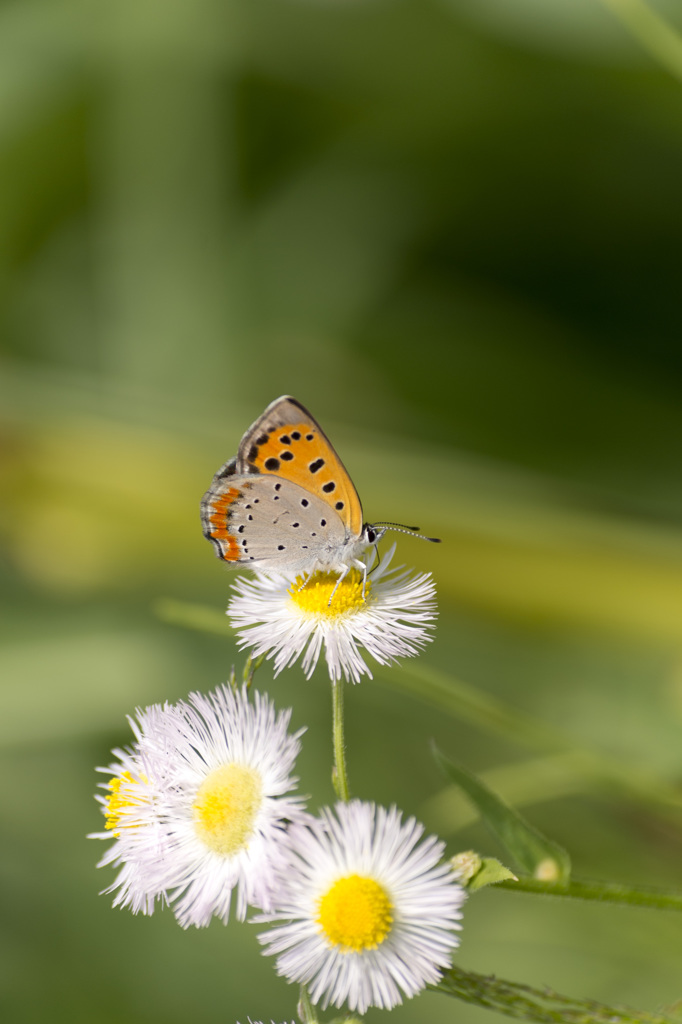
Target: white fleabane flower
(371, 913)
(131, 807)
(199, 806)
(388, 614)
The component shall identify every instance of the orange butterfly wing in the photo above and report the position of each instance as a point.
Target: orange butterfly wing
(288, 442)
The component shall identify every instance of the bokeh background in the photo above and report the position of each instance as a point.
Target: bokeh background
(452, 229)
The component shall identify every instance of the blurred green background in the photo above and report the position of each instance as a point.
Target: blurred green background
(452, 229)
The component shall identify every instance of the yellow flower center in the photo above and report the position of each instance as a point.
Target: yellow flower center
(118, 801)
(225, 807)
(355, 914)
(313, 596)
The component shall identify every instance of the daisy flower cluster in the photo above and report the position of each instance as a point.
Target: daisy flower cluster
(355, 904)
(360, 907)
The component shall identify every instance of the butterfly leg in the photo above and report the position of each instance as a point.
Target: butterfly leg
(345, 569)
(306, 579)
(364, 578)
(362, 567)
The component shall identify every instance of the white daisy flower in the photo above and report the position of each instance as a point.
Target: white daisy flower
(199, 806)
(371, 913)
(388, 613)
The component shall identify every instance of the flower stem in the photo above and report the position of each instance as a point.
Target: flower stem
(340, 770)
(602, 892)
(305, 1008)
(250, 668)
(540, 1005)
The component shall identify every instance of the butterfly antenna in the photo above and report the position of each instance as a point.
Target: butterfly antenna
(412, 530)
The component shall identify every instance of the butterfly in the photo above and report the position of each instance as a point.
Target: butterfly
(285, 502)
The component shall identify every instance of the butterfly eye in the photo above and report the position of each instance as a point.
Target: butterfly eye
(371, 536)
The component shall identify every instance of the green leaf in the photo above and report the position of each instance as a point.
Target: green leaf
(475, 872)
(469, 704)
(540, 857)
(492, 871)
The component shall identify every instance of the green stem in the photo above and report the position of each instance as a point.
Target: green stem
(602, 892)
(251, 667)
(340, 770)
(305, 1008)
(540, 1005)
(652, 31)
